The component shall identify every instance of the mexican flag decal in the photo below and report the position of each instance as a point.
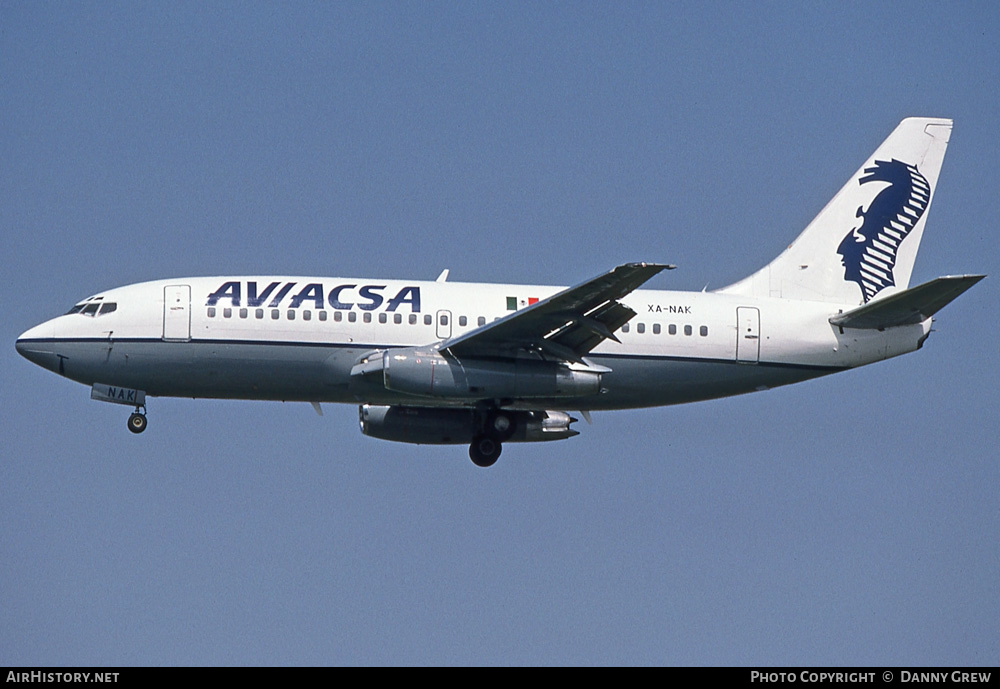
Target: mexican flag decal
(513, 303)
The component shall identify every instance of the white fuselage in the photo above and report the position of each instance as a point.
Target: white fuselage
(297, 338)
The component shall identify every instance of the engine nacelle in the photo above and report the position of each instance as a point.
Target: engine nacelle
(449, 426)
(427, 373)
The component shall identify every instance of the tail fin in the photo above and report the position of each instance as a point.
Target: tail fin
(863, 244)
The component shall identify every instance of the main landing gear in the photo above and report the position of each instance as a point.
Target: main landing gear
(495, 426)
(137, 421)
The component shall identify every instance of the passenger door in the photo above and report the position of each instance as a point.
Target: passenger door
(177, 313)
(747, 335)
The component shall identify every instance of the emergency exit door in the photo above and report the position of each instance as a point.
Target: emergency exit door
(747, 335)
(177, 313)
(443, 330)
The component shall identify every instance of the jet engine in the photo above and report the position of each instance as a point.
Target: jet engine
(450, 426)
(428, 373)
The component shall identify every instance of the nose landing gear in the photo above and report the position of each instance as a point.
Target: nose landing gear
(137, 421)
(125, 396)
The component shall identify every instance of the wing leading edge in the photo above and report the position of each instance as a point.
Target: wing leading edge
(564, 326)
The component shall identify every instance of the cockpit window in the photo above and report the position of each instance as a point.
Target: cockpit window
(93, 307)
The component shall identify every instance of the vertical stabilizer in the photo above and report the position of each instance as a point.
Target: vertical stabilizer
(862, 246)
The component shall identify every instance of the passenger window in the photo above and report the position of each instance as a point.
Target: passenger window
(672, 329)
(427, 319)
(640, 328)
(307, 315)
(275, 314)
(656, 328)
(382, 318)
(367, 317)
(413, 319)
(687, 330)
(462, 320)
(258, 314)
(211, 312)
(625, 328)
(397, 318)
(444, 319)
(291, 314)
(703, 331)
(338, 316)
(243, 313)
(481, 321)
(322, 315)
(352, 316)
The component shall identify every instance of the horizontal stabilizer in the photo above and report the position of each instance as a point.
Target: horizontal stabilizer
(908, 307)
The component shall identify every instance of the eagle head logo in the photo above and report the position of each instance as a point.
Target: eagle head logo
(869, 250)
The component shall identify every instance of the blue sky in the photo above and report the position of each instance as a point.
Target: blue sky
(848, 520)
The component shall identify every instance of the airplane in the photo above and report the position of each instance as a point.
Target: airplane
(486, 364)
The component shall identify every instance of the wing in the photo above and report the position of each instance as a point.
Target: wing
(565, 326)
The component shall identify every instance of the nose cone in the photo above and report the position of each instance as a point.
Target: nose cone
(36, 345)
